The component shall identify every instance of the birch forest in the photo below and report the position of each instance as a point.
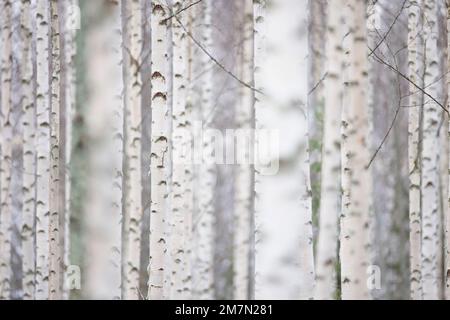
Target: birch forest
(224, 149)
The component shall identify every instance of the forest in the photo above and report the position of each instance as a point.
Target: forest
(224, 149)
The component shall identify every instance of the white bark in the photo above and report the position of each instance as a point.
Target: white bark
(356, 177)
(331, 161)
(447, 204)
(159, 148)
(204, 222)
(244, 172)
(415, 62)
(29, 154)
(284, 257)
(55, 252)
(42, 148)
(69, 92)
(133, 184)
(105, 129)
(6, 151)
(430, 168)
(180, 218)
(189, 168)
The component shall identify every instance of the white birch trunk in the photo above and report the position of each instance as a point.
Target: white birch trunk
(180, 219)
(69, 92)
(203, 271)
(6, 151)
(189, 169)
(447, 204)
(244, 171)
(133, 184)
(331, 160)
(42, 148)
(415, 64)
(55, 253)
(159, 161)
(431, 273)
(284, 262)
(29, 154)
(356, 177)
(105, 129)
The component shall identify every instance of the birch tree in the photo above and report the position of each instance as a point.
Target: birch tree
(356, 177)
(159, 149)
(284, 262)
(29, 154)
(388, 231)
(415, 62)
(42, 148)
(331, 160)
(70, 23)
(244, 173)
(180, 218)
(430, 180)
(189, 168)
(54, 258)
(6, 151)
(105, 129)
(203, 272)
(447, 216)
(133, 184)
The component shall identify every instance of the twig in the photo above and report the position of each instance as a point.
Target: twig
(221, 66)
(389, 30)
(410, 81)
(181, 10)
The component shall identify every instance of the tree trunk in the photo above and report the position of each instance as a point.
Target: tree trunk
(356, 177)
(415, 62)
(42, 149)
(133, 185)
(29, 154)
(69, 35)
(447, 216)
(431, 273)
(284, 262)
(180, 218)
(6, 152)
(416, 101)
(331, 162)
(203, 272)
(105, 154)
(244, 171)
(55, 258)
(159, 161)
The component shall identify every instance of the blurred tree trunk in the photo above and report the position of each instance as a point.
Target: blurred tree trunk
(159, 161)
(29, 154)
(244, 171)
(105, 108)
(316, 96)
(356, 178)
(447, 205)
(431, 271)
(203, 268)
(327, 248)
(388, 122)
(70, 11)
(133, 184)
(42, 148)
(189, 168)
(284, 262)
